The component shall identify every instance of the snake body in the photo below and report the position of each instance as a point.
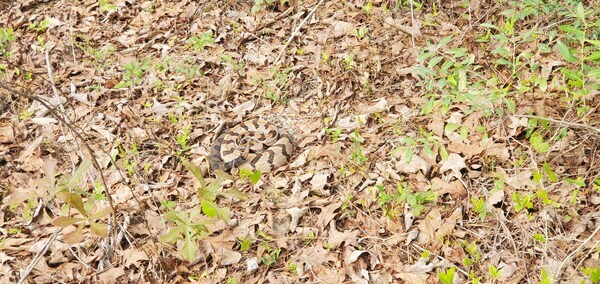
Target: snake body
(255, 145)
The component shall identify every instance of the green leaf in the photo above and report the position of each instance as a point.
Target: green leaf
(255, 177)
(594, 73)
(99, 229)
(594, 56)
(490, 26)
(212, 210)
(446, 277)
(172, 235)
(73, 180)
(434, 61)
(423, 71)
(538, 144)
(195, 170)
(581, 14)
(550, 173)
(101, 213)
(564, 51)
(594, 42)
(444, 41)
(189, 249)
(579, 34)
(173, 217)
(63, 221)
(234, 193)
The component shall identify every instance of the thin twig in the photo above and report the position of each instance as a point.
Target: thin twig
(38, 256)
(574, 252)
(572, 124)
(296, 30)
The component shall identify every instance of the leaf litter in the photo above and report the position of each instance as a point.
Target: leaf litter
(378, 191)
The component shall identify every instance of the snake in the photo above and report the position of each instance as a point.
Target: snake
(254, 144)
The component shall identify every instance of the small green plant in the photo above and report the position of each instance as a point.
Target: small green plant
(523, 201)
(42, 26)
(106, 6)
(368, 8)
(358, 156)
(183, 137)
(198, 43)
(232, 280)
(447, 276)
(253, 176)
(545, 278)
(349, 61)
(404, 193)
(7, 35)
(271, 256)
(427, 142)
(245, 243)
(292, 267)
(360, 33)
(134, 72)
(592, 272)
(480, 207)
(539, 237)
(90, 213)
(473, 252)
(495, 273)
(191, 226)
(334, 134)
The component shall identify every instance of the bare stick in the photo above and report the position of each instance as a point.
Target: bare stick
(37, 257)
(572, 124)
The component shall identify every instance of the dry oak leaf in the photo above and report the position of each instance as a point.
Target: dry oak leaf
(416, 273)
(455, 163)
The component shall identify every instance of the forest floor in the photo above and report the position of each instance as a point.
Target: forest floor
(435, 141)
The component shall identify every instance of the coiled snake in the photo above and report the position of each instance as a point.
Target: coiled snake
(255, 145)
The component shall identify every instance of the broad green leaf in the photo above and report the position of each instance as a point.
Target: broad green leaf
(572, 75)
(101, 213)
(195, 170)
(550, 173)
(63, 221)
(564, 51)
(594, 56)
(490, 26)
(204, 194)
(510, 105)
(172, 235)
(99, 229)
(579, 34)
(444, 41)
(173, 217)
(428, 151)
(255, 177)
(423, 71)
(434, 61)
(220, 177)
(76, 201)
(209, 208)
(189, 249)
(424, 56)
(73, 180)
(581, 12)
(538, 143)
(234, 193)
(594, 73)
(594, 42)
